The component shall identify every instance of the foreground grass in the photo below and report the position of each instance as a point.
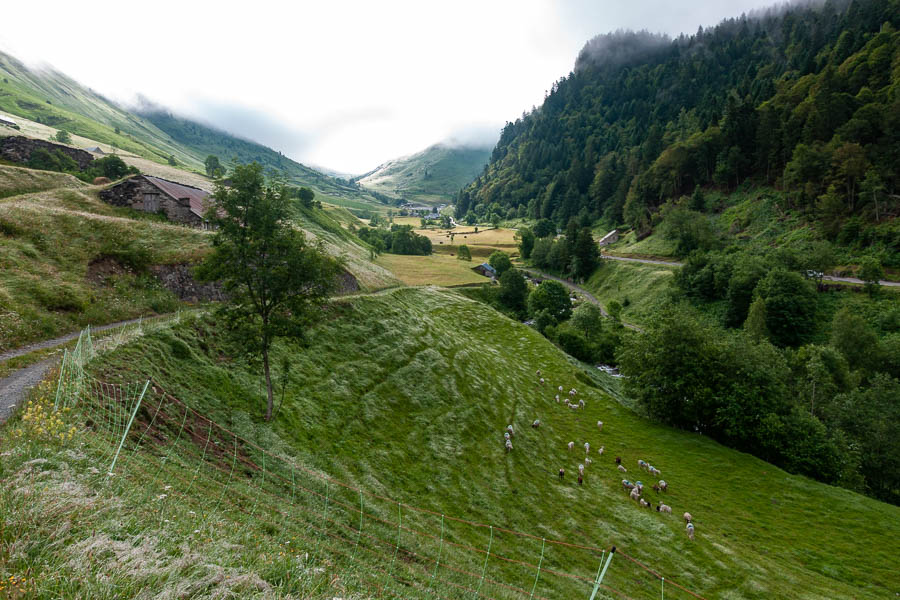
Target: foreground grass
(406, 394)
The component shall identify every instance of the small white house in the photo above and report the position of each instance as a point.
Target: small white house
(609, 238)
(4, 120)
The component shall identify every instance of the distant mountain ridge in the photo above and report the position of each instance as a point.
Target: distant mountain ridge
(153, 132)
(433, 175)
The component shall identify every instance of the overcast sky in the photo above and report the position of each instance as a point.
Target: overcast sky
(346, 85)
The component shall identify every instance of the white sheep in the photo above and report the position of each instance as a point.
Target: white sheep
(664, 508)
(600, 451)
(542, 381)
(581, 469)
(627, 485)
(581, 404)
(560, 388)
(505, 435)
(644, 503)
(587, 460)
(573, 406)
(654, 471)
(643, 464)
(600, 425)
(664, 486)
(538, 372)
(557, 398)
(622, 469)
(640, 486)
(571, 392)
(509, 428)
(688, 517)
(571, 445)
(587, 447)
(508, 445)
(690, 531)
(635, 494)
(536, 423)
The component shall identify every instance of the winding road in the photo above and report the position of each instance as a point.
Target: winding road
(672, 263)
(15, 386)
(589, 296)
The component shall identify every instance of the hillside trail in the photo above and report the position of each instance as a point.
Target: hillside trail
(672, 263)
(589, 296)
(15, 386)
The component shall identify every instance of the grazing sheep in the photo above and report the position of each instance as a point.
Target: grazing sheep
(663, 485)
(542, 381)
(690, 531)
(642, 464)
(635, 494)
(562, 472)
(505, 435)
(580, 479)
(571, 392)
(600, 425)
(587, 460)
(573, 406)
(623, 469)
(557, 397)
(640, 486)
(510, 430)
(618, 460)
(581, 469)
(654, 471)
(508, 445)
(571, 445)
(538, 372)
(581, 404)
(645, 504)
(536, 423)
(664, 508)
(627, 485)
(560, 388)
(688, 517)
(587, 447)
(600, 451)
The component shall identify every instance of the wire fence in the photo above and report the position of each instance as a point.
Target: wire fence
(148, 436)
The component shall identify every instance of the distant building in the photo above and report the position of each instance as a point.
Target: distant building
(95, 150)
(609, 238)
(4, 120)
(486, 270)
(180, 203)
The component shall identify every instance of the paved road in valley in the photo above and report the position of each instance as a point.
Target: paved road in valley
(672, 263)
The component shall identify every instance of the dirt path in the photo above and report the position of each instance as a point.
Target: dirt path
(15, 386)
(590, 297)
(672, 263)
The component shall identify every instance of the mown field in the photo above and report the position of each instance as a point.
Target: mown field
(436, 269)
(406, 394)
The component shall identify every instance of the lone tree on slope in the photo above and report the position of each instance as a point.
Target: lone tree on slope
(275, 281)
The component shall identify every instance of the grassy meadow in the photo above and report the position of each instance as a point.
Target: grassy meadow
(436, 269)
(405, 394)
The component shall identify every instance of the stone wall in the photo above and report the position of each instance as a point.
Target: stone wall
(179, 279)
(18, 149)
(131, 193)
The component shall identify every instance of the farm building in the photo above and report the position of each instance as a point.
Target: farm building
(609, 238)
(486, 270)
(4, 120)
(181, 203)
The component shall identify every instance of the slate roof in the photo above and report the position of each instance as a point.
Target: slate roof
(195, 196)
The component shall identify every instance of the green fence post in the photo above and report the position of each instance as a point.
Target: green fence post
(486, 557)
(538, 574)
(602, 573)
(128, 428)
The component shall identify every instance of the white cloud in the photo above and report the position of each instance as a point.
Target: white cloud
(343, 84)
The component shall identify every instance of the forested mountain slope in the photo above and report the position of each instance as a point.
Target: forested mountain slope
(805, 99)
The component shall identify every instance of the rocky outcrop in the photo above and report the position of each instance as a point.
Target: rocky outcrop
(179, 279)
(18, 149)
(347, 284)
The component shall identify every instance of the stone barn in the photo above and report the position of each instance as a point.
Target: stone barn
(610, 238)
(180, 203)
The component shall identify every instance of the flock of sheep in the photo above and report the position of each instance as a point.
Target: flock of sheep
(636, 489)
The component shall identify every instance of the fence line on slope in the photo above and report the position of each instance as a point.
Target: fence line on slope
(141, 421)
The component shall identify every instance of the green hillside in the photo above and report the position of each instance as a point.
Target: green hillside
(51, 98)
(406, 394)
(433, 175)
